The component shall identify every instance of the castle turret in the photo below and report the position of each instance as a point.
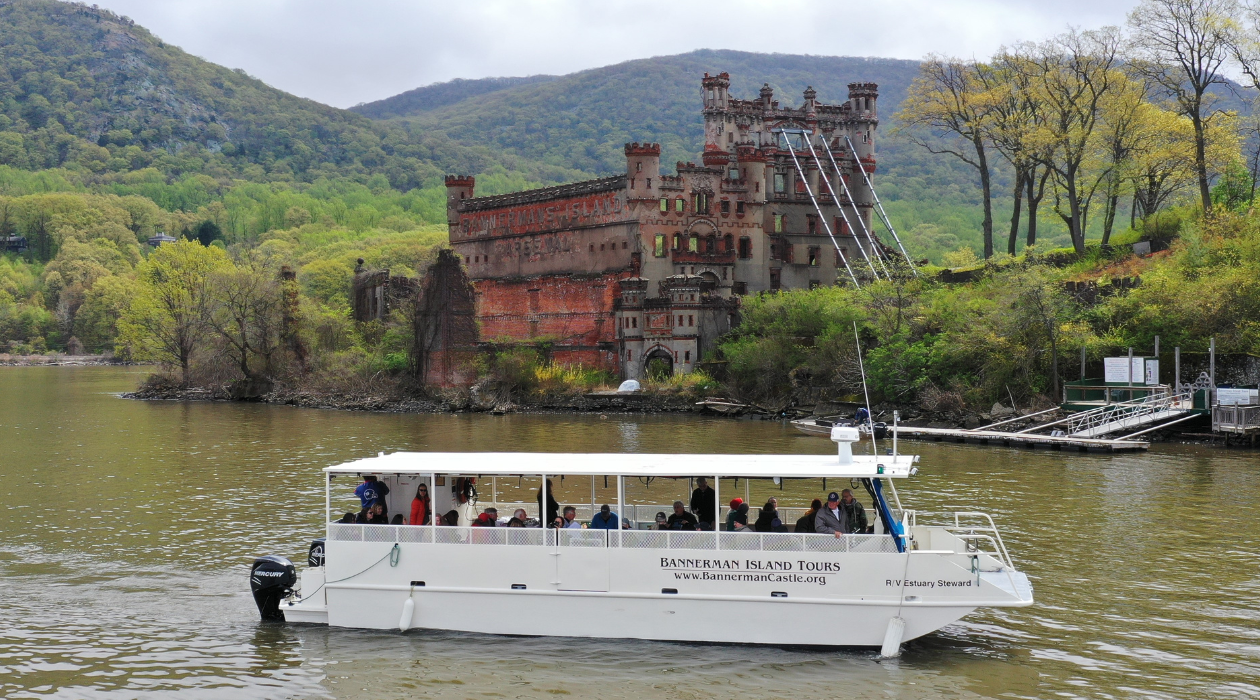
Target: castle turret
(643, 168)
(458, 188)
(718, 133)
(753, 162)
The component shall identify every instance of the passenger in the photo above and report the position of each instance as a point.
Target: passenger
(765, 516)
(494, 516)
(374, 515)
(806, 522)
(730, 514)
(348, 518)
(739, 523)
(830, 520)
(553, 508)
(483, 520)
(854, 514)
(704, 504)
(681, 519)
(605, 519)
(451, 518)
(397, 519)
(371, 491)
(516, 522)
(421, 507)
(625, 524)
(569, 521)
(661, 522)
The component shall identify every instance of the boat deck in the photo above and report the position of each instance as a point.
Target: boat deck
(1031, 440)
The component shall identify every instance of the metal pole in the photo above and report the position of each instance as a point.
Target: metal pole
(542, 509)
(621, 508)
(1130, 373)
(879, 254)
(327, 500)
(717, 517)
(1177, 368)
(1211, 372)
(1157, 372)
(801, 173)
(834, 198)
(883, 216)
(1082, 364)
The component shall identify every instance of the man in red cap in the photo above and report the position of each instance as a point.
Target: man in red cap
(730, 515)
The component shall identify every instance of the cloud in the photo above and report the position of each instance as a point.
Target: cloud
(343, 52)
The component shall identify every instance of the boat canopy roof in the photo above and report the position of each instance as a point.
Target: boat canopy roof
(629, 464)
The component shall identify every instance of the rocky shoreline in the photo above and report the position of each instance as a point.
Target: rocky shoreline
(58, 360)
(444, 402)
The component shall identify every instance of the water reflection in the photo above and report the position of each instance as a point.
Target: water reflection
(127, 528)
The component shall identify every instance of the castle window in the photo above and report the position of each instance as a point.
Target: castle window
(629, 354)
(634, 322)
(710, 244)
(660, 244)
(730, 136)
(625, 245)
(739, 207)
(726, 206)
(813, 224)
(774, 252)
(694, 244)
(678, 244)
(631, 183)
(638, 167)
(780, 183)
(664, 204)
(841, 228)
(691, 320)
(700, 202)
(756, 187)
(745, 247)
(728, 243)
(775, 283)
(813, 257)
(680, 322)
(687, 356)
(778, 223)
(678, 205)
(592, 247)
(649, 183)
(601, 246)
(733, 173)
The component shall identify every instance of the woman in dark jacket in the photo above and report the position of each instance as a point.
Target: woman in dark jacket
(806, 522)
(553, 508)
(766, 518)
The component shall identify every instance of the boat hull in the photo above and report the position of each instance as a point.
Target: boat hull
(619, 616)
(814, 590)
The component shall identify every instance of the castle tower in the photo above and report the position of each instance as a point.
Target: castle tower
(458, 188)
(718, 130)
(864, 118)
(643, 168)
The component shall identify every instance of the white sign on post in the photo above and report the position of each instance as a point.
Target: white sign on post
(1152, 372)
(1117, 370)
(1237, 397)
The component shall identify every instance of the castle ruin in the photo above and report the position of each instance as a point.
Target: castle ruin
(620, 271)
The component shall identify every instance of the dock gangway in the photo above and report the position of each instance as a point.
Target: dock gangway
(1148, 411)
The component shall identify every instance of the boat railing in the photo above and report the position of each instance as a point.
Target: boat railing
(975, 535)
(626, 539)
(643, 513)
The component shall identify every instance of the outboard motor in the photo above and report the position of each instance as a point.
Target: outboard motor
(315, 557)
(271, 578)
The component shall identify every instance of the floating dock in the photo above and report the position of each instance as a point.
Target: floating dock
(1030, 440)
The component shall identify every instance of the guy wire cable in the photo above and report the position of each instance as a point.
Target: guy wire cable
(801, 172)
(870, 235)
(883, 215)
(840, 206)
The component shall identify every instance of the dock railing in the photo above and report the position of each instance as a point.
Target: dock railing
(1236, 419)
(628, 539)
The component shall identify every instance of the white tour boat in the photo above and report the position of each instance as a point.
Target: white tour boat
(855, 590)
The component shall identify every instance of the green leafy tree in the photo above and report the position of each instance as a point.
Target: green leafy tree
(167, 318)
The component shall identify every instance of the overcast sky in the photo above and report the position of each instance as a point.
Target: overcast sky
(342, 52)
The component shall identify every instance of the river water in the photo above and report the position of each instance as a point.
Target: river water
(127, 530)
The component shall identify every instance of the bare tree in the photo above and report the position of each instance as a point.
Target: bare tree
(1015, 116)
(1076, 71)
(1181, 45)
(246, 310)
(947, 100)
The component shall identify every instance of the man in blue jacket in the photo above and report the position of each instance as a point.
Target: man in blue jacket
(605, 519)
(371, 492)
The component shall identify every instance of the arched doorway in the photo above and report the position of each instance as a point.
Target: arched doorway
(658, 364)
